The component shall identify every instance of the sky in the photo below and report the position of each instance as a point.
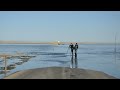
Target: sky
(65, 26)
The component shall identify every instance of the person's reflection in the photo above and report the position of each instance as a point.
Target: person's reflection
(72, 61)
(76, 63)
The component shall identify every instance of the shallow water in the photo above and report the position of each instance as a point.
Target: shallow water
(95, 57)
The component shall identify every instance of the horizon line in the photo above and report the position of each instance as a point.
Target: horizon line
(50, 42)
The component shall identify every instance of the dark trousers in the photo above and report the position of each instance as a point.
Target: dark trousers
(75, 52)
(72, 51)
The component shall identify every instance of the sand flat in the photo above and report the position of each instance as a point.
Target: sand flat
(59, 73)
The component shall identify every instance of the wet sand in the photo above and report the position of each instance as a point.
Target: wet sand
(59, 73)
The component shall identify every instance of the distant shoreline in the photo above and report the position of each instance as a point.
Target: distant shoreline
(61, 43)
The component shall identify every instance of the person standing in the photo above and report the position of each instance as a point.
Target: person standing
(72, 47)
(76, 48)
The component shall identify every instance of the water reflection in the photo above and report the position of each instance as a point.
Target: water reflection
(74, 63)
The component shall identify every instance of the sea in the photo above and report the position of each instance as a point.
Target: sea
(99, 57)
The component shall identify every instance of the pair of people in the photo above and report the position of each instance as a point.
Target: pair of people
(73, 48)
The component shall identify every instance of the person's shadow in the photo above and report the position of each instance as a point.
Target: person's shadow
(74, 62)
